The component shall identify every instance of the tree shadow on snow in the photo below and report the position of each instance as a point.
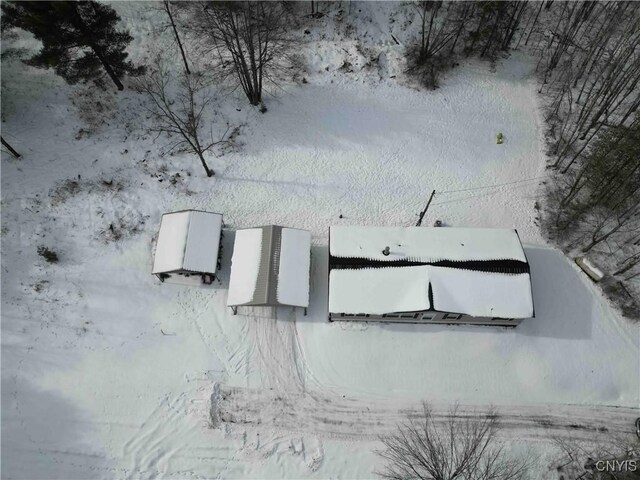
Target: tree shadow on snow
(44, 436)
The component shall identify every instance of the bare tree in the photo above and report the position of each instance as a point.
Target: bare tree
(611, 458)
(462, 448)
(180, 115)
(628, 218)
(440, 25)
(249, 37)
(433, 32)
(632, 260)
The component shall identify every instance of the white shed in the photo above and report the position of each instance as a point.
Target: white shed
(270, 267)
(188, 246)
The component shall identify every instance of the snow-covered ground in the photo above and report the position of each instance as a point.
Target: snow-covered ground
(107, 373)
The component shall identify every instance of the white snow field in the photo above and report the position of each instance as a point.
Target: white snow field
(106, 373)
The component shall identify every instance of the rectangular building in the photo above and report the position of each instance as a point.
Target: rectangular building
(188, 247)
(270, 267)
(430, 275)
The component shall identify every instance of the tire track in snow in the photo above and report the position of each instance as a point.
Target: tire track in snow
(212, 335)
(293, 400)
(273, 345)
(367, 419)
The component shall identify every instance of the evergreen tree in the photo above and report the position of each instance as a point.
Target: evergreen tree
(79, 39)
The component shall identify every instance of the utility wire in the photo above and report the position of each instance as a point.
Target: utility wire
(469, 197)
(440, 192)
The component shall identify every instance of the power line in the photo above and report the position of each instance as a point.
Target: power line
(462, 199)
(491, 186)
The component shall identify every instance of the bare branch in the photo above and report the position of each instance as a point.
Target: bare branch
(177, 109)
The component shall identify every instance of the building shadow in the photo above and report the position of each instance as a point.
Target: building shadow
(564, 305)
(226, 244)
(318, 310)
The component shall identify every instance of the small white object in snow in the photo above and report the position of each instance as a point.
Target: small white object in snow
(590, 269)
(245, 264)
(188, 240)
(426, 244)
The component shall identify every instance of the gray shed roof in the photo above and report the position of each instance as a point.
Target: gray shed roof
(270, 267)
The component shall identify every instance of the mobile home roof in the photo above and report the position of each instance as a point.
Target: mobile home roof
(383, 290)
(474, 271)
(425, 244)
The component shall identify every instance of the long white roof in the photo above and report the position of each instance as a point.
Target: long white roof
(293, 269)
(188, 240)
(426, 244)
(383, 290)
(245, 265)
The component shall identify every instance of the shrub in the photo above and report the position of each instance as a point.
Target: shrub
(48, 254)
(427, 71)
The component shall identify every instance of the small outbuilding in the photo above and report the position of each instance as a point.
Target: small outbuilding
(428, 275)
(270, 268)
(188, 247)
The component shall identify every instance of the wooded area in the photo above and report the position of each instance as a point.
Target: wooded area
(589, 64)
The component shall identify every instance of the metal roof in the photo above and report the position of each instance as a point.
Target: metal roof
(270, 267)
(477, 272)
(188, 240)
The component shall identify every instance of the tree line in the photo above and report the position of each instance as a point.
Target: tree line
(589, 65)
(448, 29)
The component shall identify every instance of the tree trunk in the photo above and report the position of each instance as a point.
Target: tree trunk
(493, 32)
(535, 20)
(621, 222)
(167, 8)
(96, 49)
(633, 261)
(10, 148)
(210, 173)
(108, 68)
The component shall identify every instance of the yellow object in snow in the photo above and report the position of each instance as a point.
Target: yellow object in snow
(499, 138)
